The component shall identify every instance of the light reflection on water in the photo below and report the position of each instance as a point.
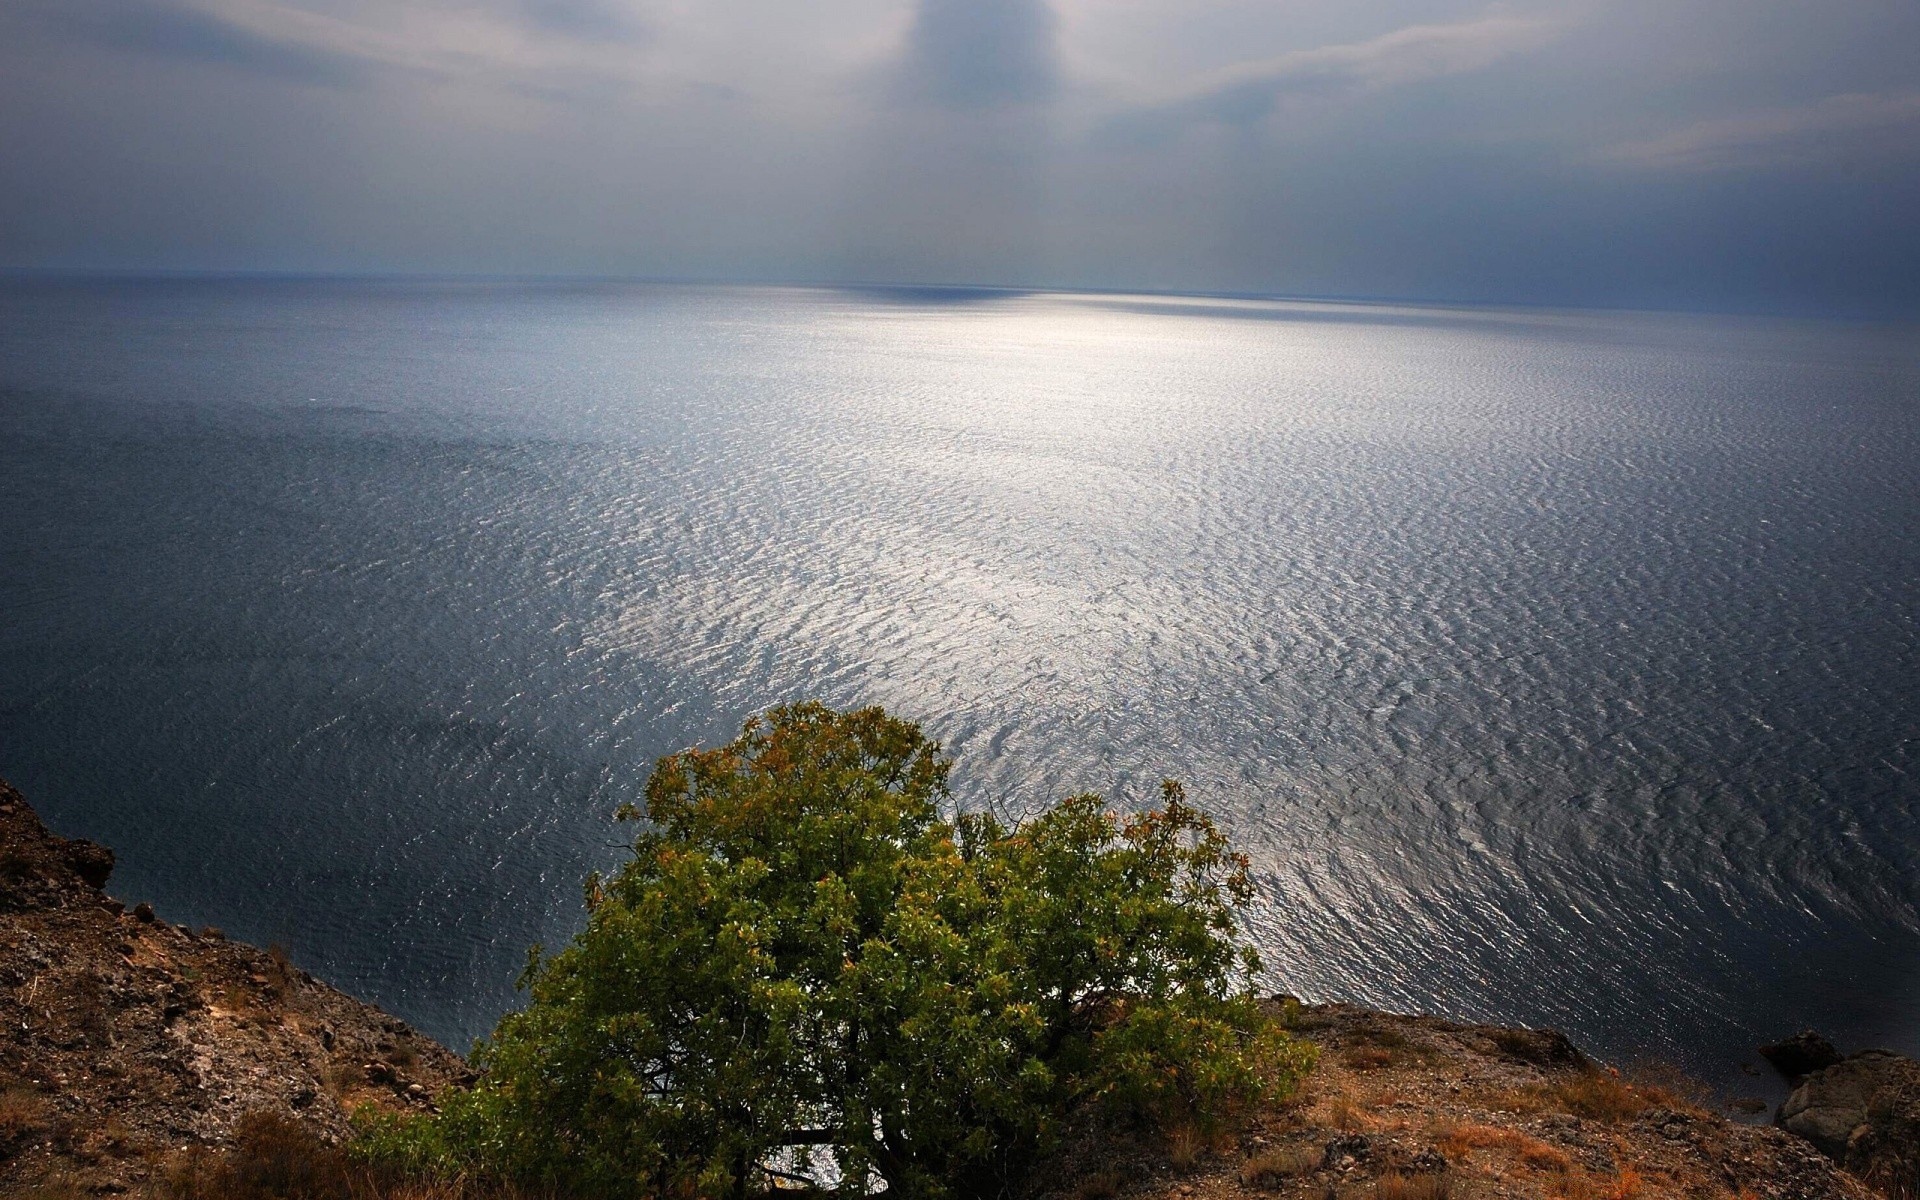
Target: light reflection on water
(1553, 667)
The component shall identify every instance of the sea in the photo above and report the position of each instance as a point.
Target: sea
(1555, 668)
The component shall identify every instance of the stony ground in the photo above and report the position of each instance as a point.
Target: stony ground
(1416, 1108)
(124, 1038)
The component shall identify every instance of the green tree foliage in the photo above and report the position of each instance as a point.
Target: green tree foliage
(804, 971)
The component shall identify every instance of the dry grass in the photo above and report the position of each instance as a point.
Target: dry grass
(1599, 1095)
(58, 1186)
(1283, 1162)
(1185, 1144)
(276, 1158)
(1458, 1141)
(281, 974)
(1343, 1114)
(1627, 1185)
(1368, 1058)
(1101, 1185)
(1395, 1186)
(273, 1158)
(22, 1113)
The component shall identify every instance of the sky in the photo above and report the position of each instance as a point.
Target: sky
(1748, 155)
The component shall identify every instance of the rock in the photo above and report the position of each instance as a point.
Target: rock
(1885, 1151)
(1800, 1055)
(89, 860)
(1548, 1049)
(143, 913)
(1864, 1113)
(1348, 1147)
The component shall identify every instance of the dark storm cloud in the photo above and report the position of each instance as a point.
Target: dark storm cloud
(980, 53)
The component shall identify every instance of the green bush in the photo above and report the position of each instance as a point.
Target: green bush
(805, 974)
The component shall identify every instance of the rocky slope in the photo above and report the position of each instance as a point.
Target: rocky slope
(1417, 1108)
(124, 1038)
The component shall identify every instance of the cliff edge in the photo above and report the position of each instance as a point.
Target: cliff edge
(124, 1038)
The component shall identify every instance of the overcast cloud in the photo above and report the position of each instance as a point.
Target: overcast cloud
(1746, 154)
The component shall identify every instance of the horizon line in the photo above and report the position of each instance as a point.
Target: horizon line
(215, 274)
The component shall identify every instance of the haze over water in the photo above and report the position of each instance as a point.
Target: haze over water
(1554, 668)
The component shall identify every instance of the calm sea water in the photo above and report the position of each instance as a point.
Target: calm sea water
(1554, 668)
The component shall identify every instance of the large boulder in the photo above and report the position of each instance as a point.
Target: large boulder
(1801, 1055)
(1886, 1150)
(1864, 1112)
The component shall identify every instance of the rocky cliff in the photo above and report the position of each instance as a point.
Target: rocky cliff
(124, 1038)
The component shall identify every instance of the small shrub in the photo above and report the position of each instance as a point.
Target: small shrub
(272, 1158)
(1184, 1146)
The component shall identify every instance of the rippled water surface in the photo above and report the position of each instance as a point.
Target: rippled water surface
(1554, 668)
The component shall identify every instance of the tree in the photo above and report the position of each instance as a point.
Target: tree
(805, 972)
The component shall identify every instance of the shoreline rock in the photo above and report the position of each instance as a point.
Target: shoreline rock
(1863, 1111)
(1801, 1055)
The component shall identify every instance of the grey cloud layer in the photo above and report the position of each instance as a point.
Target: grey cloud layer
(1722, 153)
(1834, 129)
(1247, 93)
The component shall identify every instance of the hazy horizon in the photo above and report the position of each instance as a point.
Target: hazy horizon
(1743, 157)
(924, 290)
